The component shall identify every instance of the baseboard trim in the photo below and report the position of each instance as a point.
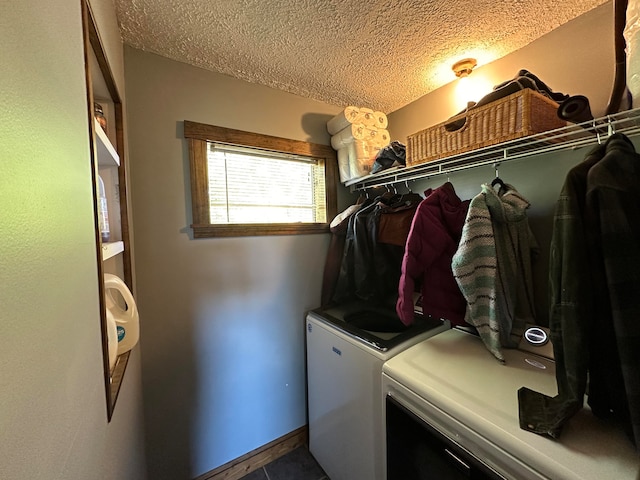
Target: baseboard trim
(259, 457)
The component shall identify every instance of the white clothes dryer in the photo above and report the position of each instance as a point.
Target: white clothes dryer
(452, 412)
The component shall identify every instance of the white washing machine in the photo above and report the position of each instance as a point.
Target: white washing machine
(452, 412)
(346, 348)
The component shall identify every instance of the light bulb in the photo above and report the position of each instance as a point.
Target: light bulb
(470, 88)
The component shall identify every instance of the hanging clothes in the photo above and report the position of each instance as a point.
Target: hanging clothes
(571, 308)
(370, 268)
(394, 221)
(345, 285)
(613, 223)
(338, 228)
(493, 267)
(431, 242)
(389, 228)
(597, 334)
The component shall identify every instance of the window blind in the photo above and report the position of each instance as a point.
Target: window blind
(249, 185)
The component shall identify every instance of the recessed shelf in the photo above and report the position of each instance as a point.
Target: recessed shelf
(111, 249)
(107, 155)
(107, 165)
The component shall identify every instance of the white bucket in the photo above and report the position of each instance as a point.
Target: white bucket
(112, 339)
(124, 312)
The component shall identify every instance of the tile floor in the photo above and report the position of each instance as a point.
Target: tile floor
(295, 465)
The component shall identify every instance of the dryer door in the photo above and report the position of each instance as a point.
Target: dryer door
(417, 451)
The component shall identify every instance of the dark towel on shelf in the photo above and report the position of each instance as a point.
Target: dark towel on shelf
(524, 79)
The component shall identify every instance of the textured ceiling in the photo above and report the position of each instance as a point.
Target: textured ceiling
(381, 54)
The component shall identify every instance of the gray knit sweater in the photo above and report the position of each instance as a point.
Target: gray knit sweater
(492, 267)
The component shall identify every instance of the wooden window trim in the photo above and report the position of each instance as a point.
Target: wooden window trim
(198, 134)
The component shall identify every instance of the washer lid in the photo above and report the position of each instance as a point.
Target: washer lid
(378, 327)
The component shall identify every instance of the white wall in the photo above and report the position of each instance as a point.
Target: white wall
(53, 417)
(223, 328)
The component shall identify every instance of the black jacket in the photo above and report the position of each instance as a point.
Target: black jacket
(370, 268)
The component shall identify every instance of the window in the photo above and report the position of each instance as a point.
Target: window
(249, 184)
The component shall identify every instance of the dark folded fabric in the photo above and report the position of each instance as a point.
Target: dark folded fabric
(540, 86)
(544, 415)
(524, 79)
(395, 152)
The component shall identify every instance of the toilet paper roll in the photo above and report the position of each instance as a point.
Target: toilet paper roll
(343, 164)
(381, 120)
(355, 160)
(383, 138)
(378, 137)
(362, 156)
(367, 117)
(344, 137)
(341, 121)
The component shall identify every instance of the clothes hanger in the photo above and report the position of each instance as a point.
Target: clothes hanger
(497, 180)
(406, 184)
(393, 197)
(410, 196)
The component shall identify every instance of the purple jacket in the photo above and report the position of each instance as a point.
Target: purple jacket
(432, 241)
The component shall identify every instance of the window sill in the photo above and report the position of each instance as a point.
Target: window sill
(258, 229)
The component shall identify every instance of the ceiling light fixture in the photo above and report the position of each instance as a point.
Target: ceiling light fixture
(464, 67)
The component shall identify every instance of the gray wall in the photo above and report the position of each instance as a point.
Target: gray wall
(222, 320)
(53, 416)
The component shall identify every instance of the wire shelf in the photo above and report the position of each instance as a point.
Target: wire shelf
(570, 137)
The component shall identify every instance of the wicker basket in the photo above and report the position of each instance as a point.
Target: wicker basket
(523, 113)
